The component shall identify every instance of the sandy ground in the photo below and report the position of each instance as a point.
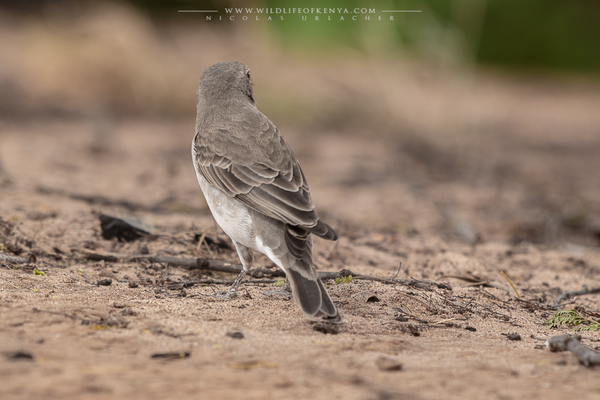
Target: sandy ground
(394, 201)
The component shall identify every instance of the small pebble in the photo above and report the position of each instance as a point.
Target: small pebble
(327, 328)
(20, 355)
(235, 335)
(388, 364)
(513, 336)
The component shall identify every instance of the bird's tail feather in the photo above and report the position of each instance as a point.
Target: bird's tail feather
(312, 297)
(323, 230)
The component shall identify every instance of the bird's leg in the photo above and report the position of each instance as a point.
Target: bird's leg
(247, 258)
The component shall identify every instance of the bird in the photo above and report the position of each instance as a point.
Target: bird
(255, 188)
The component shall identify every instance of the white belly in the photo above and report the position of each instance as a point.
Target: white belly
(245, 226)
(231, 215)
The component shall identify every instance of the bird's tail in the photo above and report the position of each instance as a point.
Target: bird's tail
(312, 297)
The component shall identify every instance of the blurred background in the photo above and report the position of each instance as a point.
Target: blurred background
(471, 120)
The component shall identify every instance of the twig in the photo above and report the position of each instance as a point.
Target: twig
(12, 259)
(208, 248)
(568, 295)
(374, 278)
(261, 281)
(411, 315)
(209, 265)
(93, 256)
(166, 274)
(182, 284)
(473, 281)
(417, 299)
(333, 275)
(422, 284)
(397, 272)
(427, 285)
(16, 287)
(58, 313)
(585, 355)
(511, 284)
(200, 241)
(473, 307)
(480, 284)
(210, 281)
(532, 304)
(445, 321)
(223, 266)
(159, 331)
(491, 296)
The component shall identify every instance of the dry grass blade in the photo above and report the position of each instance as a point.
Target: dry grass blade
(511, 284)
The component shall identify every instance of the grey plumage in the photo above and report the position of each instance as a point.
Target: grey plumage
(255, 187)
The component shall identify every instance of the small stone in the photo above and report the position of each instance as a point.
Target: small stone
(235, 335)
(327, 329)
(171, 355)
(388, 364)
(372, 299)
(20, 355)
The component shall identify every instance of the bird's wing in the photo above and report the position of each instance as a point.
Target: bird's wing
(275, 187)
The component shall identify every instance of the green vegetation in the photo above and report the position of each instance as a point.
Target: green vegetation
(574, 319)
(343, 279)
(517, 34)
(280, 282)
(540, 34)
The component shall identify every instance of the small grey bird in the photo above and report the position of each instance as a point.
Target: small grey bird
(254, 185)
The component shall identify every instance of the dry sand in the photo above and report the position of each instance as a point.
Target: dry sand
(89, 341)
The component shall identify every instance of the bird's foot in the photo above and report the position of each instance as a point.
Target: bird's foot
(223, 296)
(231, 293)
(228, 295)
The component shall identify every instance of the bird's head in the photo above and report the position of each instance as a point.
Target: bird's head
(225, 81)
